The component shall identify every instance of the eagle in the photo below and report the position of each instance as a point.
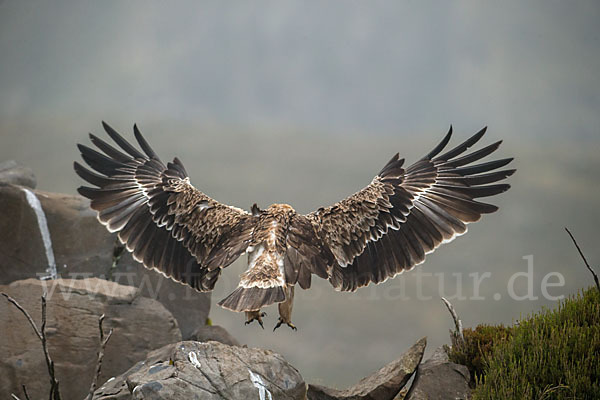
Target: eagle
(378, 232)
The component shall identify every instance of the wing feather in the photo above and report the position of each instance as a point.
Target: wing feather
(166, 223)
(406, 213)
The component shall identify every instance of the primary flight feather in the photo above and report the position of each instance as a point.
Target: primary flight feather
(384, 229)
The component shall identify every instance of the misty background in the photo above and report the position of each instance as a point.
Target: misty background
(303, 103)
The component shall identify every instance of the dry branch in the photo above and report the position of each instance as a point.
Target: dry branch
(25, 392)
(457, 322)
(41, 334)
(584, 259)
(15, 397)
(103, 341)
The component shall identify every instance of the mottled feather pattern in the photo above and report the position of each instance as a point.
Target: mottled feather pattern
(432, 200)
(155, 210)
(386, 228)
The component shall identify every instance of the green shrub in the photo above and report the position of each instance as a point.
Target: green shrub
(551, 355)
(475, 348)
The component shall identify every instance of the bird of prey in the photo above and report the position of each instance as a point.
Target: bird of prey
(373, 235)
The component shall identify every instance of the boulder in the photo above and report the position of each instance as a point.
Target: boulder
(73, 308)
(12, 172)
(215, 333)
(81, 248)
(211, 370)
(384, 384)
(439, 379)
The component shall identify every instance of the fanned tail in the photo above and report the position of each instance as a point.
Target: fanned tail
(253, 298)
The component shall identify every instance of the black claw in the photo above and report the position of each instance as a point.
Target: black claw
(257, 319)
(280, 322)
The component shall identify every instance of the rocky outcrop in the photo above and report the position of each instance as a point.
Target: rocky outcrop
(439, 379)
(215, 333)
(81, 247)
(74, 306)
(211, 370)
(12, 172)
(384, 384)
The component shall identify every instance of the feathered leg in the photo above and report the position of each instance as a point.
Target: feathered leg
(255, 315)
(285, 309)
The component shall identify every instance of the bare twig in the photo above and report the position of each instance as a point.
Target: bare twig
(457, 322)
(584, 259)
(25, 392)
(103, 341)
(14, 396)
(41, 334)
(24, 311)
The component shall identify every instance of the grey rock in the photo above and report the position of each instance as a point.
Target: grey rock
(214, 333)
(188, 306)
(74, 306)
(211, 370)
(438, 378)
(82, 248)
(384, 384)
(12, 172)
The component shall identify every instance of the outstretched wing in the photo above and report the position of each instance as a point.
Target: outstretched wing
(390, 225)
(166, 223)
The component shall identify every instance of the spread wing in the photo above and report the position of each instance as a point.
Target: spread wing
(390, 225)
(166, 223)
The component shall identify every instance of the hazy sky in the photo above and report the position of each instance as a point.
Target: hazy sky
(303, 102)
(528, 69)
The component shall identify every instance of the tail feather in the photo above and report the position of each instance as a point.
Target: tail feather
(253, 298)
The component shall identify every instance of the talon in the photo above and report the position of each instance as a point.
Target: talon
(255, 316)
(281, 321)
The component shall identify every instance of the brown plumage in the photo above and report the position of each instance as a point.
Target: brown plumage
(384, 229)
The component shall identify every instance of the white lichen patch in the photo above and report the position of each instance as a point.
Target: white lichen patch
(40, 215)
(258, 382)
(193, 357)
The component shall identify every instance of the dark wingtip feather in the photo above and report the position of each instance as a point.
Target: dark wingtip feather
(98, 161)
(484, 167)
(88, 192)
(109, 129)
(143, 143)
(393, 166)
(440, 145)
(485, 191)
(79, 191)
(108, 149)
(124, 144)
(178, 162)
(89, 176)
(474, 156)
(491, 208)
(464, 145)
(492, 177)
